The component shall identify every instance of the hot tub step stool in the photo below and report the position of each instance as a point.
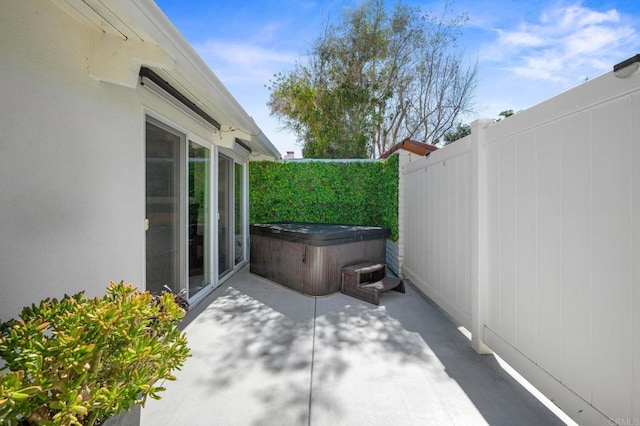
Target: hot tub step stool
(367, 280)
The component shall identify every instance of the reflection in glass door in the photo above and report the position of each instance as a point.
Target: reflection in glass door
(164, 208)
(225, 219)
(199, 218)
(239, 242)
(178, 213)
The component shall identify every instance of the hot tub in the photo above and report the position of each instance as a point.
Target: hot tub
(308, 257)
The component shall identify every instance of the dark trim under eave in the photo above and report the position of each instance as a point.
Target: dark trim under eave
(164, 85)
(244, 145)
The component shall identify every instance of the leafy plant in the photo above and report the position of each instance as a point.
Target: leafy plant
(352, 193)
(79, 360)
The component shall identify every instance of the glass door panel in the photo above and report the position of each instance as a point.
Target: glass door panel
(199, 227)
(225, 220)
(163, 208)
(239, 213)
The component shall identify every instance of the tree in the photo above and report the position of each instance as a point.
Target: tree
(460, 132)
(505, 114)
(374, 79)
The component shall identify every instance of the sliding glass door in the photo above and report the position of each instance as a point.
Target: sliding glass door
(178, 211)
(231, 214)
(240, 227)
(199, 231)
(164, 208)
(225, 218)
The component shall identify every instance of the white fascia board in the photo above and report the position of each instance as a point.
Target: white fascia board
(141, 33)
(192, 70)
(270, 148)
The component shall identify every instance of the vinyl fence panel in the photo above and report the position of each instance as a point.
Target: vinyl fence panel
(527, 232)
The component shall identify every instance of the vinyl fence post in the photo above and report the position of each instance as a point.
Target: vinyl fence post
(479, 260)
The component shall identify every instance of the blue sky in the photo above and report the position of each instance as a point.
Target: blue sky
(526, 51)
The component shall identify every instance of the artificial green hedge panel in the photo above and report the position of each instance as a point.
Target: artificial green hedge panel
(353, 193)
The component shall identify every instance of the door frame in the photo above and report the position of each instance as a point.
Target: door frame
(185, 138)
(238, 155)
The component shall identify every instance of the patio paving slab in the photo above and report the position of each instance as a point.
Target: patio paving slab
(266, 355)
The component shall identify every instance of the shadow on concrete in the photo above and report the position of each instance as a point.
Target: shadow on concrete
(265, 355)
(257, 334)
(495, 393)
(261, 350)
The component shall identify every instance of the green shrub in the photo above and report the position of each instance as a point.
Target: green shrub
(77, 361)
(354, 193)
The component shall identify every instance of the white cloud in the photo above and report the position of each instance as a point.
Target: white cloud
(564, 45)
(520, 38)
(245, 67)
(243, 63)
(245, 54)
(576, 16)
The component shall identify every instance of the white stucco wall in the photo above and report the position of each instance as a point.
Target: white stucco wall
(71, 162)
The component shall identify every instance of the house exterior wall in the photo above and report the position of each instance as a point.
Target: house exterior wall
(554, 236)
(72, 161)
(71, 164)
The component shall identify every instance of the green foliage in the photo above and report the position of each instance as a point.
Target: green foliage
(77, 361)
(376, 77)
(324, 116)
(506, 114)
(354, 193)
(460, 132)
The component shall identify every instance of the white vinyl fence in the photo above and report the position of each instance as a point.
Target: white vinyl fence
(527, 232)
(437, 222)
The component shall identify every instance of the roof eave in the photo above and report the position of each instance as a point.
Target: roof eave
(142, 24)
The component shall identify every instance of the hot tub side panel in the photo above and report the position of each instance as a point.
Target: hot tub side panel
(323, 274)
(312, 270)
(278, 260)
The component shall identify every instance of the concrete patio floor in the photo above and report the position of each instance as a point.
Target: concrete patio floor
(265, 355)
